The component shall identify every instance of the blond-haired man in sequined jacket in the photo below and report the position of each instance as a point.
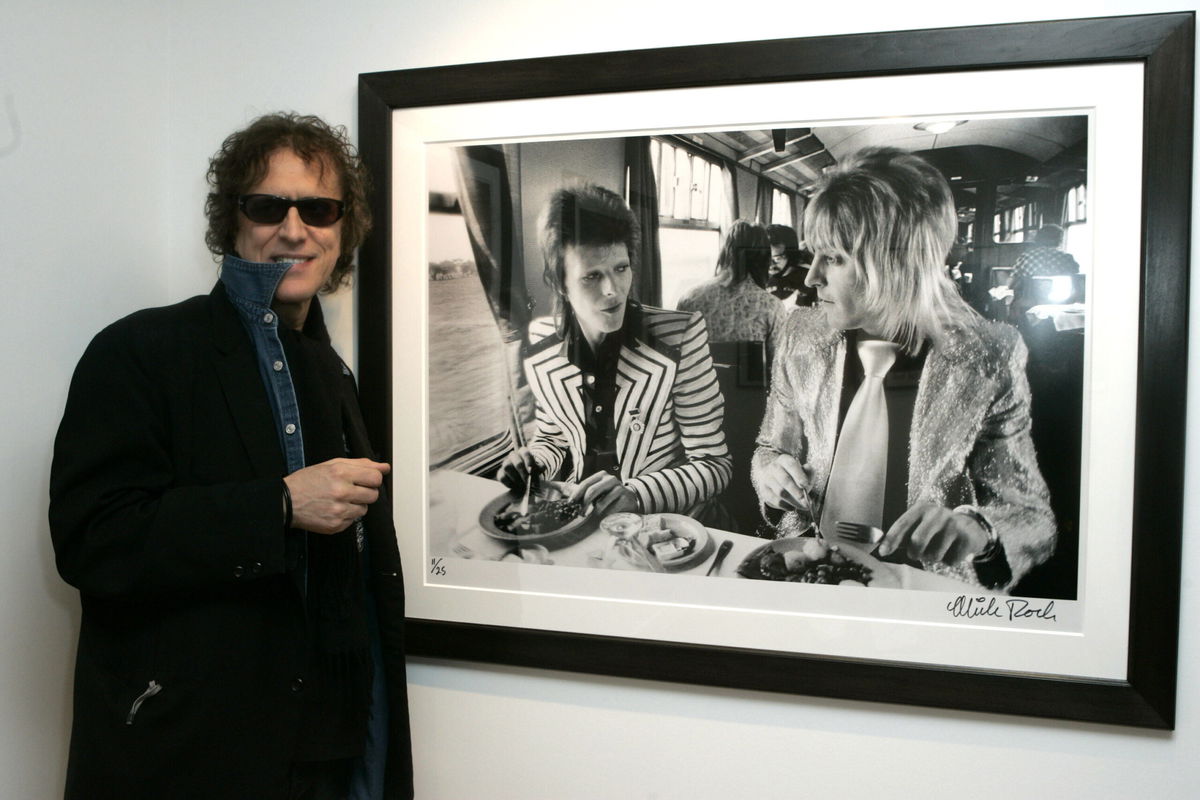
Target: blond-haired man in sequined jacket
(963, 491)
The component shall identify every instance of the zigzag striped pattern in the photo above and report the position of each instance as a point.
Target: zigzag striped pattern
(668, 413)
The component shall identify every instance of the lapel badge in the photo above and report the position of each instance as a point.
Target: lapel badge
(635, 423)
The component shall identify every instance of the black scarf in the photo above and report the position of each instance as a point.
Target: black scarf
(335, 595)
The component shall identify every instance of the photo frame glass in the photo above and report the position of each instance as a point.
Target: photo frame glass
(457, 357)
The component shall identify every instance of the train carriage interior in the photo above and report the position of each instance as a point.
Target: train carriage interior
(1010, 176)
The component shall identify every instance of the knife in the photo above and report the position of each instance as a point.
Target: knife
(722, 551)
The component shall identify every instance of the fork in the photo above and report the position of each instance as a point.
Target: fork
(525, 499)
(812, 514)
(859, 533)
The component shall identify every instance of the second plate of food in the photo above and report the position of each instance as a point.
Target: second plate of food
(678, 542)
(811, 560)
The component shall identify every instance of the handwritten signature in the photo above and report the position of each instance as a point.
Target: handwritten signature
(994, 607)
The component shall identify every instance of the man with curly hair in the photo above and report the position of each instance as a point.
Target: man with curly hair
(215, 500)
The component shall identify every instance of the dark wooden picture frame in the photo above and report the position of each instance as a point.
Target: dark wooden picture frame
(1164, 45)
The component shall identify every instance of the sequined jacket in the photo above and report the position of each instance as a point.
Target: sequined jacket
(970, 440)
(668, 414)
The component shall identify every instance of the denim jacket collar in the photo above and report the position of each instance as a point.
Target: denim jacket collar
(251, 286)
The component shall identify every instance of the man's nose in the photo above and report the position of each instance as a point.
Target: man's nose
(816, 275)
(292, 227)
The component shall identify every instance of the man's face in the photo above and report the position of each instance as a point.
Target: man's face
(312, 251)
(839, 294)
(597, 283)
(778, 259)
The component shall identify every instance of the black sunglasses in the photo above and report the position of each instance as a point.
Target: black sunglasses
(267, 209)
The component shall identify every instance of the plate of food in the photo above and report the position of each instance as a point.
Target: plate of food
(552, 519)
(810, 560)
(678, 542)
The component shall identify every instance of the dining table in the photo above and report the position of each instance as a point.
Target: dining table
(457, 499)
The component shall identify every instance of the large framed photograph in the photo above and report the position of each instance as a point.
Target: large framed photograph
(614, 341)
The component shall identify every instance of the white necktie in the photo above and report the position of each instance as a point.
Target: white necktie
(857, 479)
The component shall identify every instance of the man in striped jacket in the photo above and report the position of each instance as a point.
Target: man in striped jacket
(628, 406)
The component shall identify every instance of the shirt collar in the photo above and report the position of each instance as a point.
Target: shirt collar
(578, 351)
(251, 283)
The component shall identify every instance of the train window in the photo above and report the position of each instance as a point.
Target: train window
(781, 208)
(470, 420)
(1017, 224)
(691, 190)
(1078, 241)
(692, 207)
(1077, 204)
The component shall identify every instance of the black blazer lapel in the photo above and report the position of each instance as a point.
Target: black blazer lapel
(241, 383)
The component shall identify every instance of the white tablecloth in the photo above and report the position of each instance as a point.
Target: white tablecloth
(456, 500)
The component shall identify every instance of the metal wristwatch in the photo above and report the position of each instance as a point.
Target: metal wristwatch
(990, 563)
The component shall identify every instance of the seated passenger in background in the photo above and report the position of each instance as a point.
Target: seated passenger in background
(743, 321)
(1044, 258)
(789, 268)
(627, 400)
(735, 304)
(934, 446)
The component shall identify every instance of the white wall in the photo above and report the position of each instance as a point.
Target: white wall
(89, 97)
(100, 214)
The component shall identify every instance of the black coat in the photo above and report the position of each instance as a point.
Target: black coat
(166, 513)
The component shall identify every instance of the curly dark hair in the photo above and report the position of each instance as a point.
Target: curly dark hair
(243, 160)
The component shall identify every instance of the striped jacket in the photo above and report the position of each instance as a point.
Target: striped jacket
(668, 412)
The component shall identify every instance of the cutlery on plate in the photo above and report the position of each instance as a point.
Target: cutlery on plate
(858, 533)
(812, 515)
(722, 551)
(871, 536)
(525, 499)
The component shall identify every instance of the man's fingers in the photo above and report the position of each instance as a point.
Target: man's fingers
(923, 543)
(599, 490)
(794, 470)
(898, 533)
(359, 495)
(584, 487)
(785, 483)
(379, 467)
(514, 472)
(789, 495)
(606, 502)
(366, 477)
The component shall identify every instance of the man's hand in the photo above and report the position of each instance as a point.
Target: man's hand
(932, 533)
(782, 484)
(516, 469)
(606, 493)
(327, 497)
